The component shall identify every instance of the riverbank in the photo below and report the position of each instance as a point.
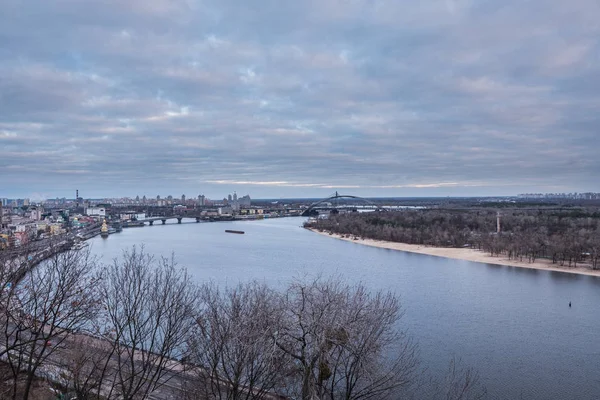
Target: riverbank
(464, 254)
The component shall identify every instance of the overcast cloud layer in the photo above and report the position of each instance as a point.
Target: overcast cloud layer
(298, 98)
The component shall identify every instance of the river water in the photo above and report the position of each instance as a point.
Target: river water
(513, 325)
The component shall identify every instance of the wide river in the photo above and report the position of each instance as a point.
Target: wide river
(513, 325)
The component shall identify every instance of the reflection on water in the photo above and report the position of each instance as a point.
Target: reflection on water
(570, 277)
(513, 324)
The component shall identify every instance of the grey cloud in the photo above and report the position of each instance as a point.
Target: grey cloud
(451, 96)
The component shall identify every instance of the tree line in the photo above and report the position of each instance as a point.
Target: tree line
(568, 238)
(142, 326)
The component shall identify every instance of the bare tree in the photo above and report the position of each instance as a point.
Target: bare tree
(562, 236)
(233, 347)
(150, 309)
(51, 302)
(345, 342)
(460, 382)
(81, 374)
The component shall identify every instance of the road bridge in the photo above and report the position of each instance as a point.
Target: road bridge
(324, 204)
(179, 218)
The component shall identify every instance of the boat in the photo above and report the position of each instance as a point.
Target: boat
(104, 230)
(232, 231)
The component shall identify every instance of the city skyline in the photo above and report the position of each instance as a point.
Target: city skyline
(229, 199)
(300, 99)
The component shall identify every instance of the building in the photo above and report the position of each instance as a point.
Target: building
(23, 231)
(132, 216)
(95, 211)
(251, 211)
(244, 201)
(35, 213)
(225, 211)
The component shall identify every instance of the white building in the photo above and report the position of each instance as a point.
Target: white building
(35, 213)
(95, 211)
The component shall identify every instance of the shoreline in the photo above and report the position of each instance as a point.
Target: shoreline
(465, 254)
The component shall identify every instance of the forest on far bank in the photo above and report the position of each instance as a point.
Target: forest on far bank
(568, 237)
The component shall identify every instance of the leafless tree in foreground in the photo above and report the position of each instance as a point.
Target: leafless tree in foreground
(344, 342)
(232, 347)
(319, 339)
(51, 302)
(460, 382)
(150, 310)
(81, 374)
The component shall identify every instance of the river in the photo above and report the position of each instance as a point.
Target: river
(513, 325)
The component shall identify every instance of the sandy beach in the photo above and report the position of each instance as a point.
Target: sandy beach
(465, 254)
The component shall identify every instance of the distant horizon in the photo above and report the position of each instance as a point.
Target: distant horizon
(300, 197)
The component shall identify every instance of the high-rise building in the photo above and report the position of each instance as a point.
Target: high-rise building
(229, 197)
(183, 198)
(244, 201)
(157, 197)
(201, 200)
(144, 200)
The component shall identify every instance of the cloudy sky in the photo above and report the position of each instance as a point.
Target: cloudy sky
(281, 98)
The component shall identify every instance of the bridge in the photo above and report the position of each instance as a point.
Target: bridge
(312, 210)
(179, 218)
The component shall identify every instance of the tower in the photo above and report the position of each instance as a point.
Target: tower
(498, 222)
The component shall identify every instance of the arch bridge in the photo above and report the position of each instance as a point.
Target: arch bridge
(314, 207)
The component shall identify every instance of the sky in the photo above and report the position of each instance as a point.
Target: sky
(301, 98)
